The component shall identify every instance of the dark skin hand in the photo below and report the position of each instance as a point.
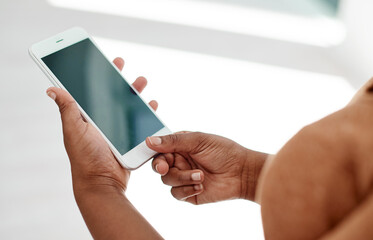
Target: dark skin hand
(204, 168)
(99, 181)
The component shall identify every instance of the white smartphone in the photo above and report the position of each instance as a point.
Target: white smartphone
(72, 61)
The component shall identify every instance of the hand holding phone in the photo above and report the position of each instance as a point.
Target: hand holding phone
(73, 62)
(90, 156)
(98, 179)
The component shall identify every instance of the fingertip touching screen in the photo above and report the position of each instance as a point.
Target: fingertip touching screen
(103, 94)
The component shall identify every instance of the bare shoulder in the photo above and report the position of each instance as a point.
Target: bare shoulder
(321, 175)
(311, 183)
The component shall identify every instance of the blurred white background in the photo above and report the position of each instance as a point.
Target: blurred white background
(254, 71)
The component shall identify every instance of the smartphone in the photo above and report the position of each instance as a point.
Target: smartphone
(72, 61)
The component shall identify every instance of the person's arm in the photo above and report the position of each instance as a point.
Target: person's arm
(110, 215)
(250, 174)
(99, 181)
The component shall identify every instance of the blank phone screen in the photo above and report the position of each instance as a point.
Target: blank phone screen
(103, 94)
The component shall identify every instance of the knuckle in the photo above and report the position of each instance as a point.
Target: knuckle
(200, 135)
(164, 180)
(186, 191)
(159, 158)
(168, 157)
(156, 161)
(173, 139)
(181, 179)
(65, 106)
(174, 193)
(167, 180)
(202, 140)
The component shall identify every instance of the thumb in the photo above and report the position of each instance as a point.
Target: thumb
(72, 120)
(184, 142)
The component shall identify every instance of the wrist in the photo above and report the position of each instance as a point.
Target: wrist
(83, 185)
(251, 169)
(109, 175)
(84, 193)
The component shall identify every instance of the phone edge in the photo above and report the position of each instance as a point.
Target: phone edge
(120, 158)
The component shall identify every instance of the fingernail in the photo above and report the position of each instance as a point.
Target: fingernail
(51, 95)
(196, 176)
(198, 187)
(157, 171)
(155, 141)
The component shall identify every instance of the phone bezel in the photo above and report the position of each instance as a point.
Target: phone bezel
(135, 157)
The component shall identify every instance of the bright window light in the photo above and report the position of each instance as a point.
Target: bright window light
(318, 31)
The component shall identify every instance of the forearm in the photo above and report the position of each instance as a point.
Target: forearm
(110, 215)
(252, 167)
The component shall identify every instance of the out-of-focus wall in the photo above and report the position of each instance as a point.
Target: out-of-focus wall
(356, 52)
